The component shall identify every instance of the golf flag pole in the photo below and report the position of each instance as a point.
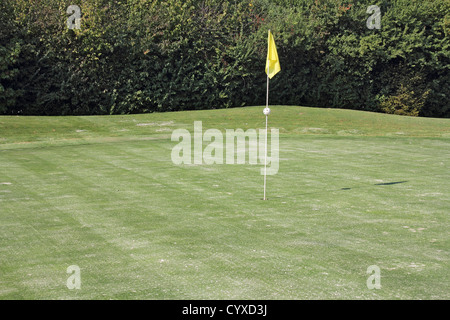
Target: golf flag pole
(266, 112)
(272, 68)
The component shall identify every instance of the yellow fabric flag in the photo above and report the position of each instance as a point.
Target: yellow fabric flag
(272, 63)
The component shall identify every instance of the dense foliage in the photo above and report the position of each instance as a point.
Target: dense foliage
(136, 56)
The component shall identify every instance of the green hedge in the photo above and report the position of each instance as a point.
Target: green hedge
(137, 56)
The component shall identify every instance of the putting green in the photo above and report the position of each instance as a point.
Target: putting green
(353, 190)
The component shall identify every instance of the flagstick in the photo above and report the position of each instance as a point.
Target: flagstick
(265, 144)
(272, 60)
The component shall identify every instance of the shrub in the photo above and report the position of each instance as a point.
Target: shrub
(137, 56)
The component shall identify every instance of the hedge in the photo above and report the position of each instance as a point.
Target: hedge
(138, 56)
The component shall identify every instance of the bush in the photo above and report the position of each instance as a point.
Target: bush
(405, 102)
(10, 49)
(137, 56)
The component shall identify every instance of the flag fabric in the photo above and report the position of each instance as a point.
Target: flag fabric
(272, 63)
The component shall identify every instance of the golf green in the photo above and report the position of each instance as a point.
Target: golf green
(353, 190)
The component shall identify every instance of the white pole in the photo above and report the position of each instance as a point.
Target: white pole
(265, 143)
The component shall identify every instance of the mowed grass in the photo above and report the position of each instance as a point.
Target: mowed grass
(353, 189)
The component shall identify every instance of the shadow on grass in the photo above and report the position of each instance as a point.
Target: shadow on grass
(380, 184)
(389, 183)
(343, 189)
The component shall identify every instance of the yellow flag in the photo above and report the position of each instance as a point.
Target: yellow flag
(272, 63)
